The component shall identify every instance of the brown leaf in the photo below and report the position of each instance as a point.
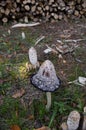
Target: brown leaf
(15, 127)
(43, 128)
(65, 35)
(19, 93)
(31, 117)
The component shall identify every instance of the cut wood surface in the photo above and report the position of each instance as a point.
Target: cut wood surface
(36, 10)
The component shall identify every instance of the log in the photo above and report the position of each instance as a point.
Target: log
(27, 7)
(25, 10)
(4, 20)
(7, 11)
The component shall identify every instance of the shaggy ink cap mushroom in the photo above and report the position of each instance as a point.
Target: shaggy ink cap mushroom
(33, 55)
(45, 79)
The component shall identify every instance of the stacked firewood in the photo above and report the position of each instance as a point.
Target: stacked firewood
(39, 10)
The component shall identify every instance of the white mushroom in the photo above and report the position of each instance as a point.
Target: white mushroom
(33, 57)
(73, 120)
(84, 121)
(46, 80)
(48, 94)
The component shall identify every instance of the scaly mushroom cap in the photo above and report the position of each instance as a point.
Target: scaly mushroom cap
(46, 78)
(33, 56)
(73, 120)
(84, 120)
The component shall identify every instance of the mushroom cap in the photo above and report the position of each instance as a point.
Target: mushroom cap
(73, 120)
(84, 120)
(33, 56)
(46, 78)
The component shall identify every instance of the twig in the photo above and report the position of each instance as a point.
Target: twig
(59, 41)
(39, 40)
(75, 82)
(53, 50)
(73, 40)
(82, 26)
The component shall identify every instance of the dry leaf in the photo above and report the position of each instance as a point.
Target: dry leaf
(64, 126)
(31, 117)
(19, 93)
(29, 66)
(43, 128)
(65, 35)
(15, 127)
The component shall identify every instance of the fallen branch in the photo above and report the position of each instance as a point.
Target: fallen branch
(80, 81)
(25, 25)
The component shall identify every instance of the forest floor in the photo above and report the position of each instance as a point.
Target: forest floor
(21, 103)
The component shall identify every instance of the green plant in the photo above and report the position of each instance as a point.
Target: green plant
(12, 111)
(39, 109)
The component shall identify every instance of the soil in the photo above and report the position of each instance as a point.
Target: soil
(68, 66)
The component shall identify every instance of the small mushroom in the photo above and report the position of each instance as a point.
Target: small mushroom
(33, 57)
(73, 120)
(46, 80)
(84, 121)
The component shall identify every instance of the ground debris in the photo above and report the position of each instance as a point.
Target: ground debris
(15, 127)
(79, 81)
(61, 47)
(65, 48)
(43, 128)
(39, 39)
(19, 93)
(25, 25)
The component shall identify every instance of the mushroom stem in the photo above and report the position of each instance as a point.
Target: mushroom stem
(48, 94)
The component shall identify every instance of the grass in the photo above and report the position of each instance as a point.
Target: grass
(13, 72)
(13, 111)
